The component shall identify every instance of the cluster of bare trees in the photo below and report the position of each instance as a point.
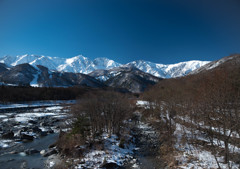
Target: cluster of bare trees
(104, 110)
(164, 105)
(207, 103)
(218, 109)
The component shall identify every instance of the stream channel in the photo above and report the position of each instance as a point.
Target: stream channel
(29, 127)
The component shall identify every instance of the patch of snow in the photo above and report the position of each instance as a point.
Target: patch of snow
(200, 158)
(51, 164)
(34, 82)
(36, 104)
(4, 143)
(3, 116)
(54, 108)
(112, 153)
(28, 116)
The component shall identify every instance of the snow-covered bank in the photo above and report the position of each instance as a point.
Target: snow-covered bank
(112, 153)
(24, 133)
(33, 104)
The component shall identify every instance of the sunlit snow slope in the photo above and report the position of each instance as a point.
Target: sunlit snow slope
(81, 64)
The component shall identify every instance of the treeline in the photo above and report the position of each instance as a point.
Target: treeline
(15, 93)
(204, 104)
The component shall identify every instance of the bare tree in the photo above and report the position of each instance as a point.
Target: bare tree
(105, 110)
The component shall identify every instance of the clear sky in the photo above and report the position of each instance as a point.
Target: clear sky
(167, 31)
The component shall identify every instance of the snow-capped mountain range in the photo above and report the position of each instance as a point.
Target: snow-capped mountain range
(81, 64)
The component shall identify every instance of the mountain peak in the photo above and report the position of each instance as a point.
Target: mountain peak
(81, 64)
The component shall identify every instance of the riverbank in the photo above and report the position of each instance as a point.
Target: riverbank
(27, 130)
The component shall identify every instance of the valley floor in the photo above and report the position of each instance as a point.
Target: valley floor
(140, 148)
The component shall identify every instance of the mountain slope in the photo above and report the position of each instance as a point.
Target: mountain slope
(25, 74)
(3, 67)
(229, 62)
(77, 64)
(127, 78)
(21, 74)
(168, 71)
(104, 75)
(132, 79)
(81, 64)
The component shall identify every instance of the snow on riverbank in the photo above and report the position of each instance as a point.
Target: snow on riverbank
(36, 104)
(111, 153)
(33, 122)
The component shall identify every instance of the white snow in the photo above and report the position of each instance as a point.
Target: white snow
(200, 158)
(36, 104)
(23, 117)
(169, 70)
(4, 143)
(111, 153)
(54, 108)
(34, 82)
(51, 164)
(142, 103)
(81, 64)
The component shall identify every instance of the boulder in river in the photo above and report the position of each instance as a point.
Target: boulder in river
(111, 166)
(26, 137)
(43, 133)
(8, 135)
(42, 124)
(49, 152)
(31, 151)
(32, 121)
(42, 152)
(36, 129)
(50, 131)
(18, 133)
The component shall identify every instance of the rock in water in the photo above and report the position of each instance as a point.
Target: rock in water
(26, 137)
(8, 135)
(50, 152)
(31, 151)
(111, 166)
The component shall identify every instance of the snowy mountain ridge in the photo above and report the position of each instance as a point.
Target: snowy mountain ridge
(169, 70)
(81, 64)
(232, 60)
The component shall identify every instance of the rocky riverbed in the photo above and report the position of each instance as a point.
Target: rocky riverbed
(147, 146)
(27, 134)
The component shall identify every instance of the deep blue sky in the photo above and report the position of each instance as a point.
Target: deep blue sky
(167, 31)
